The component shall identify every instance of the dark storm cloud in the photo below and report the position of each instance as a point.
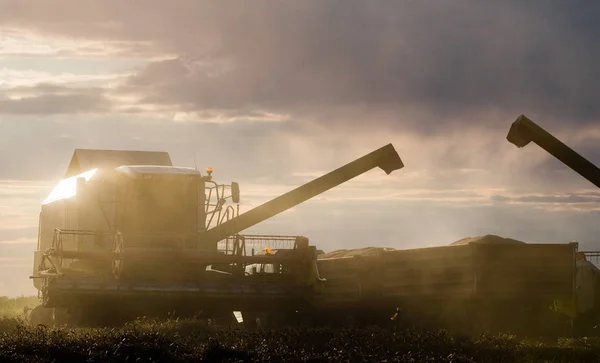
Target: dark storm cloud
(378, 57)
(386, 57)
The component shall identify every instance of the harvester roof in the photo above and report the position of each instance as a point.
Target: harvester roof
(88, 159)
(137, 170)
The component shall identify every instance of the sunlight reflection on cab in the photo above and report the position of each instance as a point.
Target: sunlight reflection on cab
(67, 188)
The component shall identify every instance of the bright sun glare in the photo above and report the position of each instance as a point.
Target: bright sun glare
(66, 188)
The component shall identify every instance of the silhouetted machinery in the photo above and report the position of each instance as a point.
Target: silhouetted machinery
(126, 232)
(523, 131)
(587, 276)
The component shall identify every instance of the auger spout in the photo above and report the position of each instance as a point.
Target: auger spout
(523, 131)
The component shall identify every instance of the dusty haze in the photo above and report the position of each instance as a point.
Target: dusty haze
(273, 93)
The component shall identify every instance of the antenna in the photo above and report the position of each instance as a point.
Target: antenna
(195, 164)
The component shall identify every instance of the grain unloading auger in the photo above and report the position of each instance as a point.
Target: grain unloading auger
(121, 238)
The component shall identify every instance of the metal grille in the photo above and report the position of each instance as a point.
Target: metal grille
(592, 256)
(256, 244)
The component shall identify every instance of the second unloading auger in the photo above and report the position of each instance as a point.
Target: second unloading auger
(523, 131)
(122, 238)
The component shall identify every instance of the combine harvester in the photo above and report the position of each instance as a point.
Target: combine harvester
(128, 234)
(587, 286)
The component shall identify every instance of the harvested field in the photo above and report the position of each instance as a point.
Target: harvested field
(185, 341)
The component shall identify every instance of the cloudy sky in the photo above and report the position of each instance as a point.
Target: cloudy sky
(273, 93)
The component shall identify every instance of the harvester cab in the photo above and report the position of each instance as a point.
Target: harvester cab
(127, 228)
